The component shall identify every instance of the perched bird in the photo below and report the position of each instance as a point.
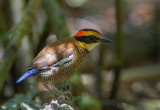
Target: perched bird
(58, 61)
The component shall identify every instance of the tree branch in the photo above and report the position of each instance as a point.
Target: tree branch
(118, 48)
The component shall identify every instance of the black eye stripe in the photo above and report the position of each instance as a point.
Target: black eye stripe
(88, 39)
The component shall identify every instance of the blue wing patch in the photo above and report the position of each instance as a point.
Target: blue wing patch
(26, 75)
(63, 61)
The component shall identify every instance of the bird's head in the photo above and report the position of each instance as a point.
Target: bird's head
(89, 38)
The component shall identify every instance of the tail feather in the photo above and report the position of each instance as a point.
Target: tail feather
(26, 75)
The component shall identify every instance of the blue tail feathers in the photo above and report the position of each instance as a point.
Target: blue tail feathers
(26, 75)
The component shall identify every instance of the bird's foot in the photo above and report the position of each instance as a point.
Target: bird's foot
(65, 96)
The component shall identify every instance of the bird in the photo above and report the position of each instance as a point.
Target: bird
(59, 61)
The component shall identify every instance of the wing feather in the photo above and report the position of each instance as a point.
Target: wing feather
(55, 55)
(63, 61)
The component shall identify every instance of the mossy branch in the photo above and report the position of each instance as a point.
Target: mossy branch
(16, 38)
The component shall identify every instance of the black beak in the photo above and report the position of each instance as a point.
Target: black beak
(105, 40)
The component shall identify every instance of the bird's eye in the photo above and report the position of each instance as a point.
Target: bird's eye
(92, 39)
(88, 39)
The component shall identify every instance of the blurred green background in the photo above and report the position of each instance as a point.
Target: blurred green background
(124, 75)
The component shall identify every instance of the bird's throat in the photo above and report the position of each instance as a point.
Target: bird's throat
(82, 44)
(89, 47)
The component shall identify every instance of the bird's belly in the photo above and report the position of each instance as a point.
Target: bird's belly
(58, 74)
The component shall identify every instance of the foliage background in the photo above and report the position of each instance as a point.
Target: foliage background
(122, 75)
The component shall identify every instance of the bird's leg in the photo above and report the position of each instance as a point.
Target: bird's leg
(52, 91)
(66, 96)
(59, 92)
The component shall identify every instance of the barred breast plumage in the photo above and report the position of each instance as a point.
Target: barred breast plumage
(60, 73)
